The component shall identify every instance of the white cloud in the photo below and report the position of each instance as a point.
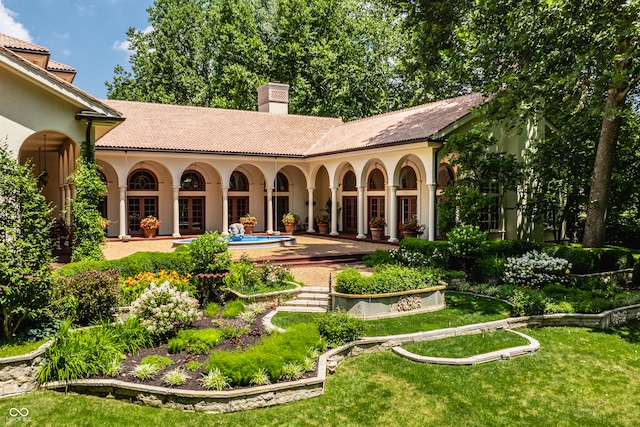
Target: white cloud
(125, 46)
(9, 26)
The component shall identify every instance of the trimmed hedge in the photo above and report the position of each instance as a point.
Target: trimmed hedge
(425, 247)
(386, 279)
(131, 265)
(592, 260)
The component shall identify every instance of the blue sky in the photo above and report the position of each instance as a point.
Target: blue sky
(88, 35)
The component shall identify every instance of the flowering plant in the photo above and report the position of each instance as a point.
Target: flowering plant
(535, 269)
(289, 218)
(412, 224)
(104, 223)
(150, 222)
(377, 222)
(322, 219)
(163, 309)
(248, 220)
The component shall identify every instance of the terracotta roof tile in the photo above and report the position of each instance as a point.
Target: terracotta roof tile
(58, 66)
(14, 43)
(182, 128)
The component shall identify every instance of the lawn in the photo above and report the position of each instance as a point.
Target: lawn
(579, 377)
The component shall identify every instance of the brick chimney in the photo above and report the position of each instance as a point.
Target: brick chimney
(273, 98)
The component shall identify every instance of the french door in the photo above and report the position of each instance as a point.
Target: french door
(191, 215)
(238, 206)
(350, 214)
(138, 208)
(376, 207)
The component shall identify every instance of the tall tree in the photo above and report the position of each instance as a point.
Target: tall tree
(583, 53)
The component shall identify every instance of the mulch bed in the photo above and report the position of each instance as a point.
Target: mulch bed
(257, 332)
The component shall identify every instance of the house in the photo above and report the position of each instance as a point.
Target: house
(200, 169)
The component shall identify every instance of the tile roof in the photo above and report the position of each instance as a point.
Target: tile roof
(165, 127)
(58, 66)
(17, 44)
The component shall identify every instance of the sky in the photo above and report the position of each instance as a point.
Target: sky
(88, 35)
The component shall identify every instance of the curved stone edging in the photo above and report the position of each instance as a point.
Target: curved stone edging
(269, 296)
(268, 324)
(492, 356)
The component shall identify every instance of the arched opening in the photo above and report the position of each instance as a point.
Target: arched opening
(142, 198)
(349, 203)
(238, 196)
(191, 203)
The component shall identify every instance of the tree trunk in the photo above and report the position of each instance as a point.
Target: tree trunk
(594, 229)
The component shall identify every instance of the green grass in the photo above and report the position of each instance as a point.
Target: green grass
(17, 348)
(579, 377)
(467, 345)
(462, 309)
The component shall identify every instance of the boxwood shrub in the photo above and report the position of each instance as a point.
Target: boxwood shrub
(338, 328)
(385, 279)
(425, 247)
(592, 260)
(131, 265)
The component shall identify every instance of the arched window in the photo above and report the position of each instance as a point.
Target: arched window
(282, 183)
(408, 180)
(376, 180)
(143, 180)
(349, 181)
(238, 182)
(445, 175)
(192, 181)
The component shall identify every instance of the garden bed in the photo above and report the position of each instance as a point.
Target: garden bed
(377, 306)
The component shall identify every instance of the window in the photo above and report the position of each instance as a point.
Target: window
(191, 181)
(349, 182)
(490, 218)
(282, 183)
(445, 176)
(141, 180)
(408, 180)
(238, 182)
(376, 180)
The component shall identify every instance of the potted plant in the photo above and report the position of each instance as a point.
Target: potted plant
(376, 225)
(149, 225)
(289, 220)
(323, 223)
(248, 222)
(411, 227)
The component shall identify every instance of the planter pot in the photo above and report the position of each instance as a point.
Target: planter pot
(248, 228)
(410, 233)
(323, 228)
(288, 228)
(149, 232)
(377, 233)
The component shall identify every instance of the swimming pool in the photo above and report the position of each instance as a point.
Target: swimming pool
(251, 242)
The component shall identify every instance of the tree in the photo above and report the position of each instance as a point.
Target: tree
(88, 234)
(25, 247)
(582, 53)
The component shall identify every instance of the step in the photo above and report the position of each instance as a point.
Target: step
(292, 309)
(313, 296)
(306, 303)
(316, 289)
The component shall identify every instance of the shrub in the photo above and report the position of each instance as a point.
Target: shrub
(592, 260)
(292, 371)
(466, 240)
(134, 264)
(435, 259)
(261, 377)
(132, 287)
(386, 278)
(378, 257)
(338, 328)
(193, 365)
(209, 254)
(490, 267)
(212, 309)
(270, 354)
(195, 341)
(508, 248)
(214, 380)
(163, 309)
(145, 371)
(526, 302)
(87, 296)
(535, 269)
(233, 309)
(246, 277)
(160, 361)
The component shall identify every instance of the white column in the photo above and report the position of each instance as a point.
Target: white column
(67, 198)
(362, 221)
(176, 212)
(393, 215)
(124, 221)
(225, 211)
(61, 203)
(334, 211)
(432, 212)
(310, 211)
(269, 210)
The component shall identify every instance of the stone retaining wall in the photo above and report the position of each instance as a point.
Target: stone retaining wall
(18, 373)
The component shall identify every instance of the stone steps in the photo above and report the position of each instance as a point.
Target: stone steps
(313, 299)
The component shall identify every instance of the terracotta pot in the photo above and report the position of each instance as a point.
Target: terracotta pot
(410, 233)
(149, 232)
(377, 233)
(288, 228)
(323, 228)
(248, 228)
